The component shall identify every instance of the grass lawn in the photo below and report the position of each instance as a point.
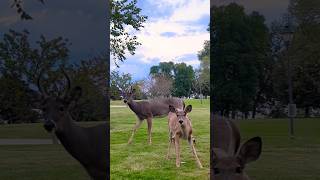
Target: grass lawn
(284, 158)
(36, 162)
(140, 160)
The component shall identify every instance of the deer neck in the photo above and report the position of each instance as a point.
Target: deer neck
(70, 134)
(134, 106)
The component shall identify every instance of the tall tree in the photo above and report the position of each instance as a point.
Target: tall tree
(238, 44)
(184, 76)
(124, 14)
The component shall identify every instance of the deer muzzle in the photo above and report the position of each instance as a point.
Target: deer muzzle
(48, 125)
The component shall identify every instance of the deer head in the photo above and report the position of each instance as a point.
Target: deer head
(226, 167)
(55, 109)
(181, 114)
(128, 95)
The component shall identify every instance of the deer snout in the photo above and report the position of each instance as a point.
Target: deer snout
(125, 101)
(180, 121)
(48, 125)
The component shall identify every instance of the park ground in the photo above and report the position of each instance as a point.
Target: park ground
(140, 160)
(36, 162)
(282, 158)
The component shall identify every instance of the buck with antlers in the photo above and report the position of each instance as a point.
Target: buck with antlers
(87, 145)
(158, 107)
(228, 157)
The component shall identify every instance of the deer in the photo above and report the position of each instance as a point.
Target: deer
(180, 127)
(88, 145)
(228, 158)
(149, 109)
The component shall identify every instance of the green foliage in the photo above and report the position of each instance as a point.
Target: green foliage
(184, 76)
(238, 49)
(18, 58)
(118, 83)
(202, 75)
(20, 65)
(91, 76)
(15, 105)
(164, 68)
(181, 75)
(124, 13)
(18, 5)
(304, 57)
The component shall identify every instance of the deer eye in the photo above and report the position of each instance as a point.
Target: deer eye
(238, 170)
(216, 170)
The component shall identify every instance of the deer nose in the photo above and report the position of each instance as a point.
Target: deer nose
(180, 121)
(48, 125)
(125, 101)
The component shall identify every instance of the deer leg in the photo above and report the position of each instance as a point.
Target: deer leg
(149, 121)
(177, 146)
(194, 152)
(138, 124)
(169, 148)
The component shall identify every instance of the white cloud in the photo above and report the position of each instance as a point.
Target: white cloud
(189, 35)
(192, 11)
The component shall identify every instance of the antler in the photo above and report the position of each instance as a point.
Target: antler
(68, 82)
(41, 90)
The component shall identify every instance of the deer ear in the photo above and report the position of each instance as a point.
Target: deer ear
(217, 153)
(172, 109)
(188, 109)
(250, 150)
(75, 94)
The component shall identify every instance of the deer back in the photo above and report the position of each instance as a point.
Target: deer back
(160, 106)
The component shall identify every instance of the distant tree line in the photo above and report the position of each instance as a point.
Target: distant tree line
(250, 61)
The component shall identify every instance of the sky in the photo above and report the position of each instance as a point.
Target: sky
(83, 22)
(174, 31)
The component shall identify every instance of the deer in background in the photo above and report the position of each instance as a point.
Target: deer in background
(180, 127)
(228, 157)
(87, 145)
(158, 107)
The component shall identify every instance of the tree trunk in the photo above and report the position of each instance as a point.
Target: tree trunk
(307, 112)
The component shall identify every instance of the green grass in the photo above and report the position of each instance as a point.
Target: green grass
(36, 162)
(284, 158)
(29, 131)
(142, 161)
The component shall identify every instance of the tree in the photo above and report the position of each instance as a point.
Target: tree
(20, 65)
(18, 5)
(158, 86)
(238, 44)
(119, 82)
(124, 13)
(18, 58)
(91, 76)
(164, 68)
(184, 76)
(202, 80)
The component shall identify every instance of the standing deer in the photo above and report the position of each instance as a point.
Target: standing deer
(180, 127)
(228, 158)
(158, 107)
(87, 145)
